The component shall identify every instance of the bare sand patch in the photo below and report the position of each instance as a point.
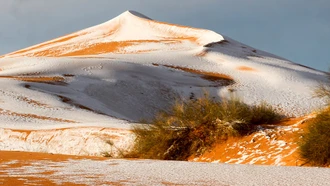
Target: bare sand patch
(246, 68)
(7, 156)
(39, 79)
(210, 76)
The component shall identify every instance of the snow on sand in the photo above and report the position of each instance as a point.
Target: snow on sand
(127, 69)
(53, 169)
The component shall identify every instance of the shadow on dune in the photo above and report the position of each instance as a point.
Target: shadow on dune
(130, 91)
(236, 49)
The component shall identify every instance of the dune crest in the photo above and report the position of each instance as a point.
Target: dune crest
(127, 33)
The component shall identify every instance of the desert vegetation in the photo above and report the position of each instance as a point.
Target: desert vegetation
(315, 142)
(192, 127)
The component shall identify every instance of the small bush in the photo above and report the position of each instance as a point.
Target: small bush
(194, 126)
(315, 144)
(264, 114)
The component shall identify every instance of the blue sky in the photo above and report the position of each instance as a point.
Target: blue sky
(298, 30)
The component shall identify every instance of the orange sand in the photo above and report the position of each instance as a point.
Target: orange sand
(259, 146)
(93, 49)
(245, 68)
(25, 159)
(211, 76)
(62, 39)
(40, 79)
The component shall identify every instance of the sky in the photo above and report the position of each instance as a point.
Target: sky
(298, 30)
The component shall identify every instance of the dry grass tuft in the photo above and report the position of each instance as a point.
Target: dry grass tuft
(315, 143)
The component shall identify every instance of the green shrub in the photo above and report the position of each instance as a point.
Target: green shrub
(315, 144)
(192, 127)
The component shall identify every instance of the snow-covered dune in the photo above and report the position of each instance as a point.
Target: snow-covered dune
(127, 69)
(128, 32)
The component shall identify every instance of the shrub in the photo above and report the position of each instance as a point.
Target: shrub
(192, 127)
(315, 144)
(264, 114)
(323, 90)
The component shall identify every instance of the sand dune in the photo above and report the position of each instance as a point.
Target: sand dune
(110, 76)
